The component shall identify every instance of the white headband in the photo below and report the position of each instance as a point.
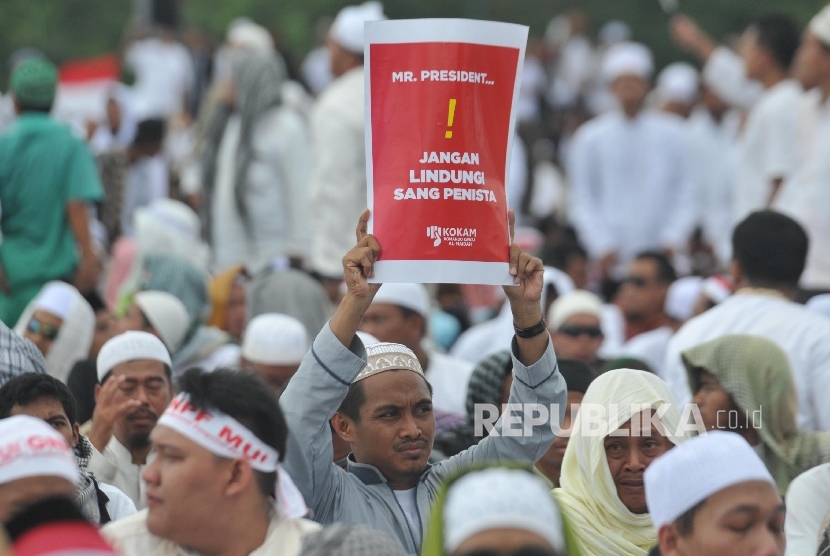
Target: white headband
(226, 437)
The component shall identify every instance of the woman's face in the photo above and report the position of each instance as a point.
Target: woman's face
(714, 402)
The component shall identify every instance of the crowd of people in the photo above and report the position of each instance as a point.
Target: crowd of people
(193, 359)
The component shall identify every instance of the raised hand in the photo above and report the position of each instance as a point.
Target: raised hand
(527, 271)
(359, 263)
(110, 406)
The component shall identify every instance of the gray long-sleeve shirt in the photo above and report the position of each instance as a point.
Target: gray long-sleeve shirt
(362, 495)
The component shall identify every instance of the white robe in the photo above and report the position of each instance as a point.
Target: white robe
(449, 377)
(634, 184)
(338, 177)
(806, 195)
(115, 467)
(649, 347)
(802, 334)
(808, 501)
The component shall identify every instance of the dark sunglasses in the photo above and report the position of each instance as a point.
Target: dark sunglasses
(577, 331)
(46, 330)
(636, 281)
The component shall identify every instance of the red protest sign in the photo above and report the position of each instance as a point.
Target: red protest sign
(440, 119)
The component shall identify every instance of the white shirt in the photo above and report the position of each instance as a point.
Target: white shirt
(119, 505)
(449, 377)
(808, 501)
(528, 105)
(802, 334)
(132, 538)
(146, 181)
(574, 72)
(649, 347)
(622, 167)
(806, 195)
(276, 196)
(164, 76)
(767, 146)
(716, 148)
(338, 178)
(409, 506)
(115, 467)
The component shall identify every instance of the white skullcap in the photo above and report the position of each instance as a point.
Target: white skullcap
(409, 296)
(32, 448)
(627, 58)
(57, 298)
(131, 346)
(820, 304)
(717, 288)
(682, 296)
(678, 82)
(579, 302)
(367, 339)
(500, 498)
(384, 357)
(696, 469)
(347, 29)
(274, 339)
(820, 25)
(247, 34)
(171, 215)
(167, 314)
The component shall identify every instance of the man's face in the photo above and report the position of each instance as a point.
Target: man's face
(579, 337)
(713, 401)
(642, 295)
(396, 427)
(185, 484)
(22, 493)
(276, 376)
(237, 311)
(49, 409)
(42, 330)
(104, 330)
(630, 90)
(629, 456)
(146, 381)
(387, 323)
(746, 519)
(551, 462)
(812, 62)
(755, 57)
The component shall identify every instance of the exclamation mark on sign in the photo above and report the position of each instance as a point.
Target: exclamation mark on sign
(450, 117)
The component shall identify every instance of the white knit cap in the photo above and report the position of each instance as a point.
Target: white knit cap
(56, 298)
(32, 448)
(682, 296)
(579, 302)
(249, 35)
(274, 339)
(627, 58)
(384, 356)
(409, 296)
(347, 29)
(820, 25)
(167, 314)
(500, 498)
(678, 82)
(696, 469)
(131, 346)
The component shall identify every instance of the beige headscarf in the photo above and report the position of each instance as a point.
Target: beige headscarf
(756, 374)
(602, 524)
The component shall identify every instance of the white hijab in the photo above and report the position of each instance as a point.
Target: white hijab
(75, 336)
(602, 524)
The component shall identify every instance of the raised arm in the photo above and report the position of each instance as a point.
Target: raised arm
(315, 393)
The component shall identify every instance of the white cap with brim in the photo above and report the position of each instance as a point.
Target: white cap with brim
(820, 25)
(627, 58)
(695, 470)
(409, 296)
(347, 29)
(32, 448)
(500, 498)
(131, 346)
(167, 314)
(274, 339)
(579, 302)
(678, 82)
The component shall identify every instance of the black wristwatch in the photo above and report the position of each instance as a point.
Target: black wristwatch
(531, 332)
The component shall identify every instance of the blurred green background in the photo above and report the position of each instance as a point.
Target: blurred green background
(66, 29)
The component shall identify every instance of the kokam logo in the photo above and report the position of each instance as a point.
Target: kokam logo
(458, 237)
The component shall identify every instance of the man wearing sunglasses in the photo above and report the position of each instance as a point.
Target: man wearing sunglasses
(642, 296)
(574, 324)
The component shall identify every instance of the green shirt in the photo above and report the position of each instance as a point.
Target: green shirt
(42, 168)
